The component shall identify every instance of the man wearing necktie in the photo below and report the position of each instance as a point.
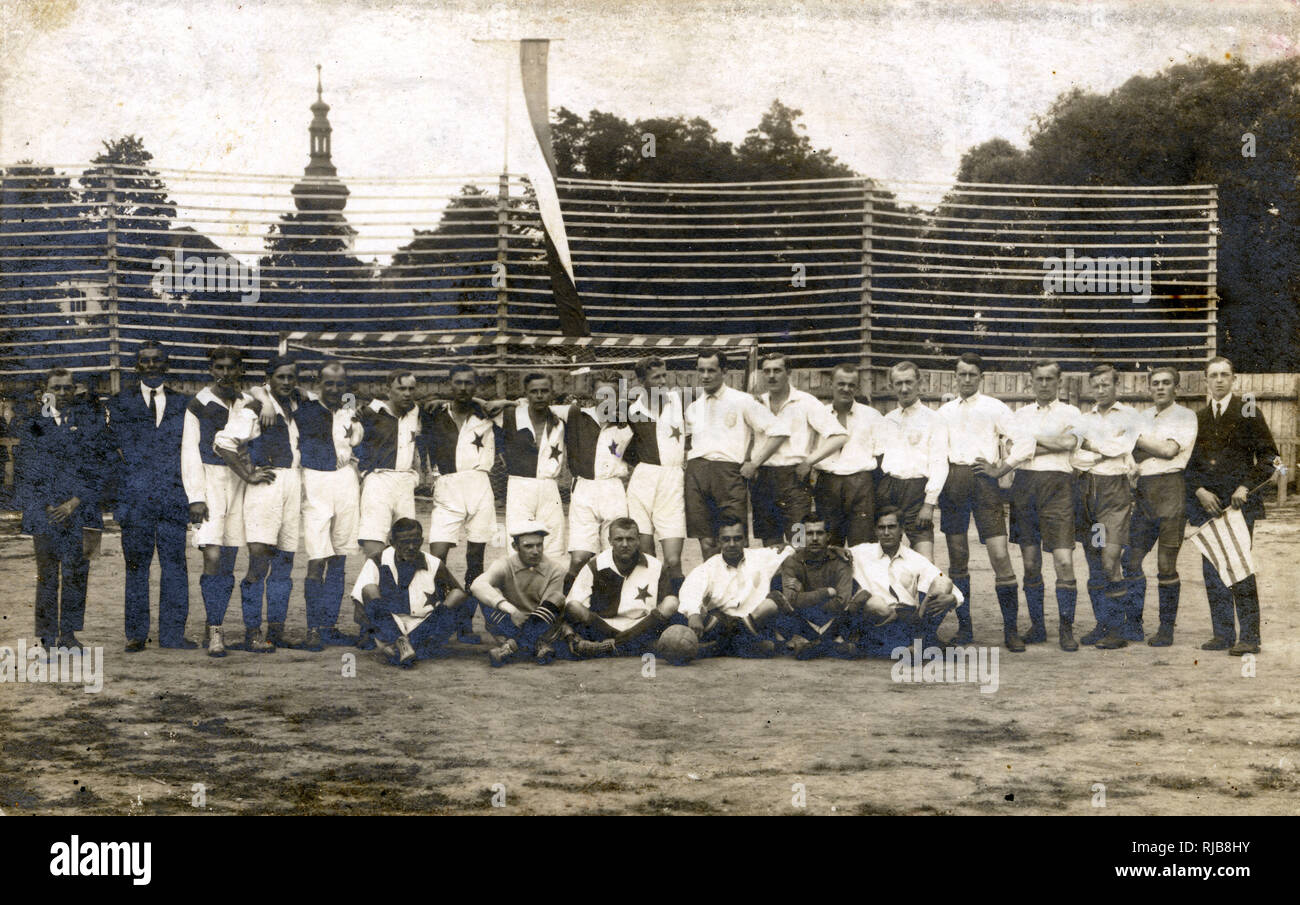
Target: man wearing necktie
(1234, 453)
(145, 423)
(60, 475)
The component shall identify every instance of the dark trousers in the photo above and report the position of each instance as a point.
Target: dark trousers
(1243, 597)
(142, 534)
(61, 573)
(848, 504)
(430, 634)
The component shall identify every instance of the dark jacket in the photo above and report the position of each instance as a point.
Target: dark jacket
(55, 462)
(147, 457)
(1233, 451)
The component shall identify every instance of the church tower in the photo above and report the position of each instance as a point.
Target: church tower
(320, 190)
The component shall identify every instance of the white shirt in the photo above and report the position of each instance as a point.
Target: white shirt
(915, 445)
(1177, 423)
(1112, 434)
(1028, 422)
(897, 578)
(804, 417)
(721, 425)
(865, 426)
(244, 425)
(737, 591)
(161, 404)
(1217, 408)
(975, 426)
(424, 583)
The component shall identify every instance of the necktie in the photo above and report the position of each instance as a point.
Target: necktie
(153, 406)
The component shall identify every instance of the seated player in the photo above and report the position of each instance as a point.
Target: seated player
(522, 596)
(409, 598)
(817, 602)
(909, 595)
(728, 599)
(621, 599)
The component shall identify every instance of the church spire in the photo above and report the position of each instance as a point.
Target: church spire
(321, 176)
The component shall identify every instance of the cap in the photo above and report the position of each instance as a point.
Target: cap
(532, 526)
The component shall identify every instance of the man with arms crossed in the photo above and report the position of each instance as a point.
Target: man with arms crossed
(1042, 501)
(1104, 505)
(1167, 436)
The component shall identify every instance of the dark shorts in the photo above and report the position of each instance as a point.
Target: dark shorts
(1106, 501)
(1042, 509)
(713, 489)
(848, 505)
(780, 500)
(968, 493)
(1159, 511)
(908, 494)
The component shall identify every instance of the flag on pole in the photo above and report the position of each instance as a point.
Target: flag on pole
(537, 158)
(1225, 542)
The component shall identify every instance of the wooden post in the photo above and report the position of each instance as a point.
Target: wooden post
(864, 354)
(1212, 303)
(110, 288)
(498, 276)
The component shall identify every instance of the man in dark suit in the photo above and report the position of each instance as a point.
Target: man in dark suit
(145, 423)
(1234, 453)
(60, 460)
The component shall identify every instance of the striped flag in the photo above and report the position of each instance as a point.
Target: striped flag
(533, 142)
(1225, 542)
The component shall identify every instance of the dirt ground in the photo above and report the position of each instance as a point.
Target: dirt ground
(1166, 731)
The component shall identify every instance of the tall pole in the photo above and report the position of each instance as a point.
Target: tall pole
(864, 354)
(110, 262)
(1212, 290)
(503, 234)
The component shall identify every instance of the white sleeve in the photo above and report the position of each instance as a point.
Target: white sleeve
(368, 576)
(242, 427)
(580, 592)
(690, 597)
(192, 476)
(760, 418)
(822, 419)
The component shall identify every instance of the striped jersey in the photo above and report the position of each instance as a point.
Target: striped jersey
(621, 600)
(596, 451)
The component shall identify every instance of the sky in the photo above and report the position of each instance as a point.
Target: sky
(898, 90)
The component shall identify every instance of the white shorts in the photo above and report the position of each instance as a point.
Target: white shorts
(331, 510)
(537, 499)
(273, 512)
(386, 496)
(657, 500)
(463, 499)
(592, 506)
(225, 498)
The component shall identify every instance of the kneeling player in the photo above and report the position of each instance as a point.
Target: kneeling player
(909, 595)
(409, 598)
(522, 596)
(728, 599)
(621, 599)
